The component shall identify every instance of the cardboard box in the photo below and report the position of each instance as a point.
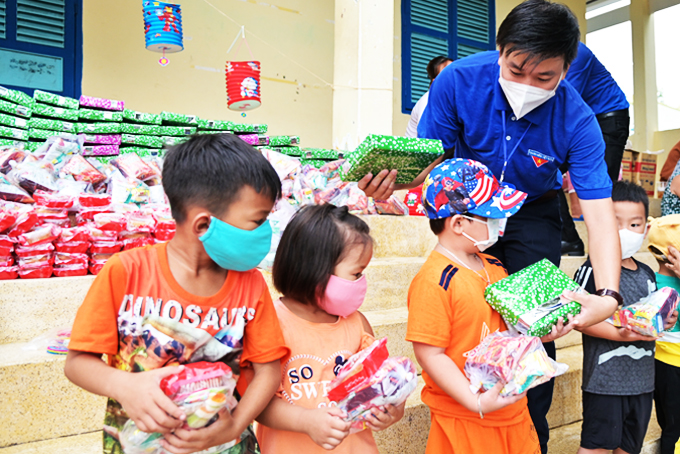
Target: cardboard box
(643, 167)
(627, 165)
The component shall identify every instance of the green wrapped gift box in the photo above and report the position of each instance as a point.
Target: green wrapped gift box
(140, 117)
(100, 115)
(290, 151)
(16, 96)
(54, 125)
(211, 131)
(529, 300)
(13, 133)
(176, 131)
(98, 128)
(43, 134)
(140, 151)
(169, 141)
(15, 109)
(248, 128)
(408, 155)
(318, 163)
(321, 153)
(13, 122)
(171, 118)
(55, 100)
(283, 141)
(217, 125)
(141, 140)
(55, 112)
(151, 130)
(33, 145)
(12, 143)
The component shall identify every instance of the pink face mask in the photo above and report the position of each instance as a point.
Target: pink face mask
(343, 297)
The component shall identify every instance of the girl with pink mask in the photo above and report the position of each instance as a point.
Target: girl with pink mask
(319, 269)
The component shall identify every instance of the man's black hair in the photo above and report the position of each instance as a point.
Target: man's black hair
(317, 238)
(541, 30)
(433, 66)
(210, 169)
(625, 191)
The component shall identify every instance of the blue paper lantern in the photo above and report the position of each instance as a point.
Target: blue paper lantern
(163, 26)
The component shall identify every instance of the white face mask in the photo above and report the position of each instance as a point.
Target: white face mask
(631, 242)
(492, 227)
(525, 98)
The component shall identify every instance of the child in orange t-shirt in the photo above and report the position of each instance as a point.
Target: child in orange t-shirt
(448, 315)
(318, 268)
(196, 298)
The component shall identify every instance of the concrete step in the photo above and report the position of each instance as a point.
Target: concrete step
(87, 443)
(401, 236)
(566, 406)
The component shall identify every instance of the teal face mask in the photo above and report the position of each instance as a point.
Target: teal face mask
(236, 249)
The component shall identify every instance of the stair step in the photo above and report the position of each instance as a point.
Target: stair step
(401, 236)
(391, 323)
(566, 405)
(37, 402)
(87, 443)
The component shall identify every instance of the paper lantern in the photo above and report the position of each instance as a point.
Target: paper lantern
(163, 27)
(243, 85)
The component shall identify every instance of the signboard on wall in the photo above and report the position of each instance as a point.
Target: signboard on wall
(25, 69)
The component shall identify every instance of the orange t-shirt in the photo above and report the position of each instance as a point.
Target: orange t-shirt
(446, 308)
(137, 314)
(317, 350)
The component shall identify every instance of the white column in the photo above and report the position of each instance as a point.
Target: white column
(644, 75)
(363, 70)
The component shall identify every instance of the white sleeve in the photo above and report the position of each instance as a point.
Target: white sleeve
(416, 113)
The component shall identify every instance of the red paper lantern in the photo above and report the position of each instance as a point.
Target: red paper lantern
(243, 85)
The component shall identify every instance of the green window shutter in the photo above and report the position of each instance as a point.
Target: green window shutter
(41, 22)
(431, 14)
(473, 20)
(3, 21)
(423, 49)
(465, 50)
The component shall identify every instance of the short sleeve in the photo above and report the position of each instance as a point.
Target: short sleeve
(263, 340)
(440, 120)
(430, 315)
(587, 168)
(95, 329)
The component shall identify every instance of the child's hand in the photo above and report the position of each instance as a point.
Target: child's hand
(325, 426)
(492, 400)
(629, 335)
(186, 441)
(381, 420)
(561, 328)
(144, 402)
(672, 320)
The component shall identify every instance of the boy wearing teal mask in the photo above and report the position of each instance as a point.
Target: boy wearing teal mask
(195, 298)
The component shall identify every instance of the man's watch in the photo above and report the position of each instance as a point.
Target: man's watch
(609, 292)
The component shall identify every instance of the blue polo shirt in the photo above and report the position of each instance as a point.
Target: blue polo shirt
(465, 112)
(595, 84)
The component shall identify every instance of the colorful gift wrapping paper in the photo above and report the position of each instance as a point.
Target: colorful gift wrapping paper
(283, 141)
(169, 141)
(529, 299)
(141, 151)
(13, 122)
(55, 112)
(11, 143)
(100, 115)
(408, 155)
(172, 118)
(13, 133)
(218, 125)
(15, 109)
(290, 151)
(205, 131)
(321, 153)
(318, 163)
(248, 128)
(54, 125)
(141, 117)
(145, 141)
(44, 134)
(151, 130)
(176, 131)
(16, 96)
(103, 139)
(101, 103)
(254, 139)
(99, 128)
(55, 100)
(100, 150)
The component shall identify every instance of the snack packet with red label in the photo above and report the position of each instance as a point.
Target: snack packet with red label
(44, 234)
(67, 258)
(132, 166)
(110, 221)
(28, 251)
(53, 199)
(70, 270)
(74, 234)
(82, 170)
(35, 273)
(9, 272)
(94, 200)
(73, 247)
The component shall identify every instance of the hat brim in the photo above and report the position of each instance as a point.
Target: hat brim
(505, 202)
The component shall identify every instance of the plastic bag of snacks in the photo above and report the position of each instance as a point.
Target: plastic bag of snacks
(44, 234)
(38, 249)
(201, 390)
(8, 155)
(110, 221)
(519, 361)
(54, 341)
(7, 218)
(132, 166)
(70, 270)
(58, 149)
(649, 315)
(13, 193)
(31, 176)
(81, 170)
(140, 222)
(26, 219)
(73, 247)
(70, 258)
(94, 200)
(370, 379)
(53, 200)
(128, 191)
(74, 234)
(42, 272)
(391, 206)
(8, 272)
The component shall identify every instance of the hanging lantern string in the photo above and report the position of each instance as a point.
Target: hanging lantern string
(241, 33)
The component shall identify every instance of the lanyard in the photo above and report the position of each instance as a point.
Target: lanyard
(506, 158)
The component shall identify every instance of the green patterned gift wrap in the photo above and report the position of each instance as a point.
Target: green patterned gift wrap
(171, 118)
(144, 141)
(54, 125)
(13, 122)
(13, 133)
(283, 141)
(176, 131)
(42, 134)
(11, 143)
(141, 151)
(289, 151)
(529, 300)
(34, 145)
(408, 155)
(321, 153)
(100, 115)
(169, 141)
(16, 96)
(150, 130)
(55, 100)
(140, 117)
(210, 131)
(55, 112)
(249, 129)
(99, 128)
(15, 109)
(217, 125)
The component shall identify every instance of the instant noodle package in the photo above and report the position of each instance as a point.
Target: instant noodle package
(649, 315)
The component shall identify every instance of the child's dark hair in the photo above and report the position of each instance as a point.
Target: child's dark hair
(317, 238)
(625, 191)
(541, 30)
(437, 225)
(433, 66)
(210, 169)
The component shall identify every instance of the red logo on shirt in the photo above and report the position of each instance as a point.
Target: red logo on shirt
(538, 161)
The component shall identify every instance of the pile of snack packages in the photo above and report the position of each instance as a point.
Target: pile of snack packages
(369, 380)
(648, 316)
(201, 390)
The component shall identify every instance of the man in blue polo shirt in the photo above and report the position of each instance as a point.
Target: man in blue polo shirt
(512, 111)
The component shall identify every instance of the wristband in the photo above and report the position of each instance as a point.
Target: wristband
(479, 405)
(608, 292)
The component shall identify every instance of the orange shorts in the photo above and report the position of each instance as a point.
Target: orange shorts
(461, 436)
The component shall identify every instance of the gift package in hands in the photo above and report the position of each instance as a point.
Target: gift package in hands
(370, 379)
(520, 362)
(201, 390)
(649, 315)
(530, 300)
